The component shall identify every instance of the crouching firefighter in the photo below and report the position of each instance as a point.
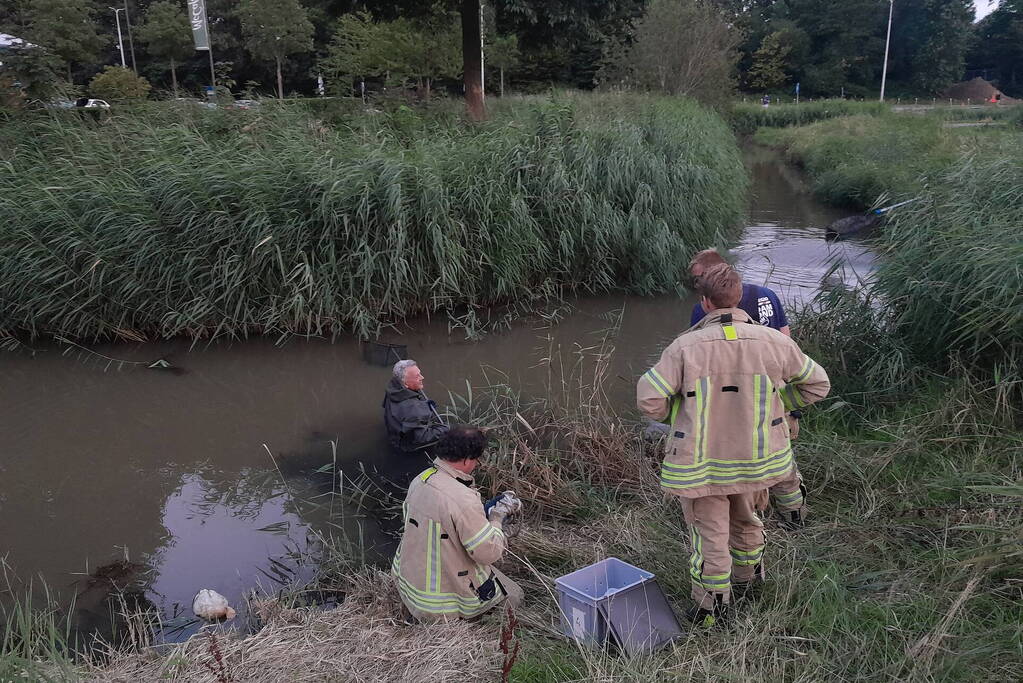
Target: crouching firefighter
(719, 384)
(444, 565)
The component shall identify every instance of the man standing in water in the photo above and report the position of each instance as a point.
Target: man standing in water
(411, 419)
(444, 565)
(763, 306)
(720, 384)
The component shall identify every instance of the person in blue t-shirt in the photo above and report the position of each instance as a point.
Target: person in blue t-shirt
(763, 305)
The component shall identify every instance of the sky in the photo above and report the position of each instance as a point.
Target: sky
(984, 7)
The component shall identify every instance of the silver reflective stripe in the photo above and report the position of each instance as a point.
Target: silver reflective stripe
(433, 558)
(702, 408)
(761, 392)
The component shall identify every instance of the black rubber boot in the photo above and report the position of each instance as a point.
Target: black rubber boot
(706, 618)
(749, 590)
(790, 521)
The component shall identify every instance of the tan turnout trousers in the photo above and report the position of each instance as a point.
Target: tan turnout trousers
(728, 543)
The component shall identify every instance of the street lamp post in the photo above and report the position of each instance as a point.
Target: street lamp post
(887, 43)
(120, 42)
(131, 41)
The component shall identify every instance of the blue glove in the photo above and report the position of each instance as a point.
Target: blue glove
(487, 506)
(432, 404)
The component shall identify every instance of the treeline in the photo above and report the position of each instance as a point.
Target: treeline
(283, 46)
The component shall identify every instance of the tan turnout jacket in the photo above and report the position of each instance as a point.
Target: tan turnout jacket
(726, 385)
(447, 548)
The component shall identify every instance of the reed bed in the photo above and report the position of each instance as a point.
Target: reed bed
(218, 223)
(747, 118)
(953, 263)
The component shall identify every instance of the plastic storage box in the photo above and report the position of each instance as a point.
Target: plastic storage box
(613, 599)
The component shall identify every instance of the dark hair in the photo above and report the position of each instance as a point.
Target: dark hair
(461, 442)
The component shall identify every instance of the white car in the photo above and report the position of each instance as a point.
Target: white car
(86, 103)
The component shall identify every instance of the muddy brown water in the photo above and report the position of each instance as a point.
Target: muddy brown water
(100, 463)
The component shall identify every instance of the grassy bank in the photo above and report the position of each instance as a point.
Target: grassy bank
(950, 276)
(905, 572)
(745, 119)
(854, 160)
(171, 222)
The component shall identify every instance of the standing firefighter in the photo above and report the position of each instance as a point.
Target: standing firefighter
(720, 384)
(450, 542)
(763, 306)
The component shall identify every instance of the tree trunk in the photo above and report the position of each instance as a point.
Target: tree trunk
(428, 89)
(174, 78)
(280, 80)
(502, 81)
(69, 79)
(472, 59)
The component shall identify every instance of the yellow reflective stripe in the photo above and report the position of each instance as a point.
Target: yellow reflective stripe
(791, 398)
(696, 559)
(715, 582)
(793, 497)
(481, 536)
(445, 603)
(708, 475)
(747, 558)
(433, 560)
(804, 373)
(724, 467)
(428, 473)
(730, 333)
(658, 383)
(676, 404)
(703, 393)
(761, 390)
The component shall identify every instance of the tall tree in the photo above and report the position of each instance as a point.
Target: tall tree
(565, 41)
(167, 35)
(502, 54)
(683, 47)
(67, 28)
(472, 58)
(28, 73)
(428, 49)
(769, 62)
(274, 29)
(998, 46)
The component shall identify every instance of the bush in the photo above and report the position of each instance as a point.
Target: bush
(195, 222)
(117, 83)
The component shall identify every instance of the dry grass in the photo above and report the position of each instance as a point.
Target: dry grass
(364, 639)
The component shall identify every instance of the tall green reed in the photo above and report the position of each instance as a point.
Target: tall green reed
(234, 223)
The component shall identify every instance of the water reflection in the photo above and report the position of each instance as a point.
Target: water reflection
(784, 246)
(171, 470)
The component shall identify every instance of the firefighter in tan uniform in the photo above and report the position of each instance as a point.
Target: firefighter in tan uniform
(444, 564)
(721, 385)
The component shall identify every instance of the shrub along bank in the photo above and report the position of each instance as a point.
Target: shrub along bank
(155, 224)
(746, 118)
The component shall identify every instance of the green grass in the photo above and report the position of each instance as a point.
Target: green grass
(854, 160)
(33, 640)
(747, 118)
(884, 584)
(171, 221)
(947, 288)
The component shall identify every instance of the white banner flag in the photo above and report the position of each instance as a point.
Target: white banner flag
(197, 17)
